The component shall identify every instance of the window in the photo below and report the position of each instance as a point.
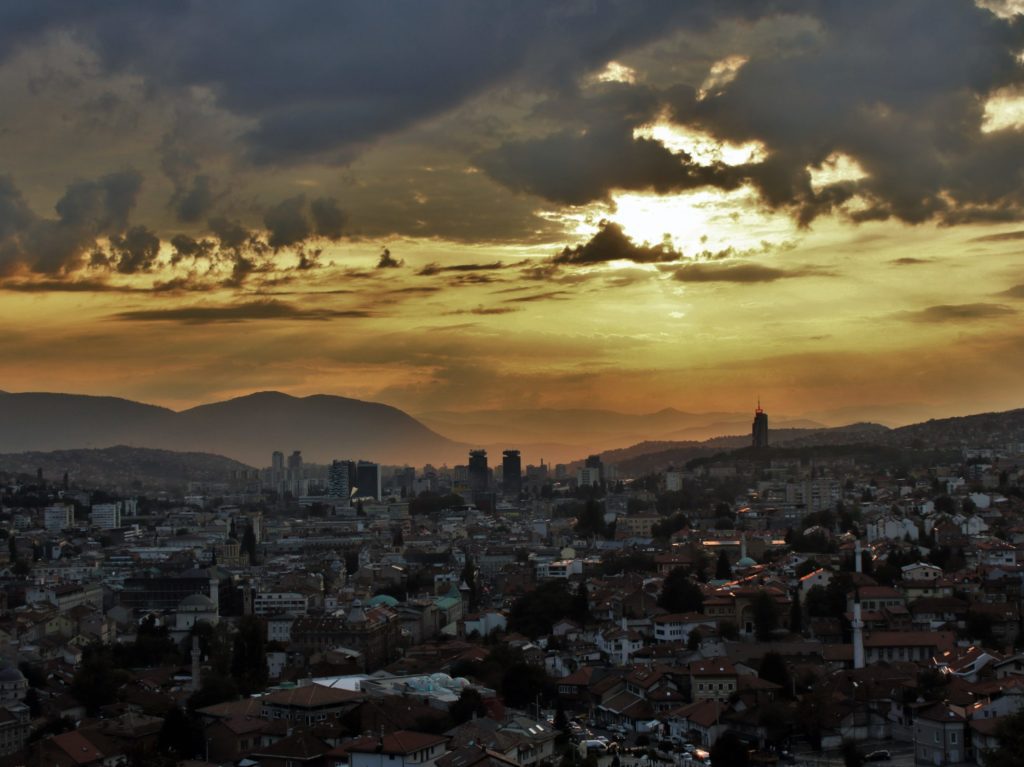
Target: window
(952, 738)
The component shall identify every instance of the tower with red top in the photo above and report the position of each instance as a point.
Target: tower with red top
(760, 431)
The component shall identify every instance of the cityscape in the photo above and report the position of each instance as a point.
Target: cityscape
(547, 383)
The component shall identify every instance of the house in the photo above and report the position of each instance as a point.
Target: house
(715, 679)
(298, 749)
(940, 735)
(403, 748)
(309, 704)
(906, 645)
(698, 722)
(676, 627)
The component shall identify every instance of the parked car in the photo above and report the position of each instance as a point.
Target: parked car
(881, 755)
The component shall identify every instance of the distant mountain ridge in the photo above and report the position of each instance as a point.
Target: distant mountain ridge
(561, 435)
(246, 428)
(122, 469)
(978, 430)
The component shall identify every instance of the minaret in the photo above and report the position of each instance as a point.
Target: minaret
(197, 671)
(743, 545)
(215, 594)
(857, 564)
(858, 631)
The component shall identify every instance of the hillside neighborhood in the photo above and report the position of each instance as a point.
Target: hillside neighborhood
(764, 606)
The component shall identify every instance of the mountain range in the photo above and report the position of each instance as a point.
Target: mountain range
(246, 429)
(249, 428)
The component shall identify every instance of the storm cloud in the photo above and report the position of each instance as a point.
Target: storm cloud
(611, 243)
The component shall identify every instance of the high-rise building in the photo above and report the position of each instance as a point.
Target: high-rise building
(760, 430)
(277, 471)
(58, 517)
(106, 516)
(368, 479)
(511, 473)
(296, 484)
(594, 462)
(339, 479)
(478, 474)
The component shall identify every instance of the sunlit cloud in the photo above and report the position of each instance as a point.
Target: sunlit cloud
(837, 168)
(1004, 110)
(701, 146)
(722, 73)
(614, 72)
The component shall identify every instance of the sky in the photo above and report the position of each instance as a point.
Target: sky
(513, 204)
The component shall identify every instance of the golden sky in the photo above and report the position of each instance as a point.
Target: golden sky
(451, 205)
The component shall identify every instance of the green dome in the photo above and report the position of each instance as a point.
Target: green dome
(383, 599)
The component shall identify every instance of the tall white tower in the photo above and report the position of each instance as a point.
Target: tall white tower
(858, 631)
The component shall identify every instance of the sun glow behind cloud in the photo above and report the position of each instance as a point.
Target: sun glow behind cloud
(1004, 110)
(700, 145)
(837, 168)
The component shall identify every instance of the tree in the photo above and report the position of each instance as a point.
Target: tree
(98, 680)
(773, 669)
(535, 613)
(766, 616)
(521, 684)
(248, 656)
(679, 594)
(581, 605)
(852, 756)
(693, 640)
(469, 704)
(216, 689)
(806, 567)
(590, 521)
(728, 630)
(796, 616)
(730, 750)
(249, 544)
(181, 735)
(723, 570)
(1011, 742)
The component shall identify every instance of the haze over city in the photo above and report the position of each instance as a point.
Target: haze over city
(458, 206)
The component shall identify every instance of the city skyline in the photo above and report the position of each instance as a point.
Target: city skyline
(457, 207)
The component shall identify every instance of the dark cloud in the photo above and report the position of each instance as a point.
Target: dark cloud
(576, 168)
(910, 261)
(253, 310)
(195, 203)
(1002, 237)
(67, 286)
(900, 89)
(1017, 291)
(486, 310)
(554, 295)
(737, 272)
(309, 77)
(612, 244)
(958, 312)
(292, 221)
(287, 223)
(88, 211)
(328, 218)
(435, 268)
(387, 261)
(231, 234)
(135, 251)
